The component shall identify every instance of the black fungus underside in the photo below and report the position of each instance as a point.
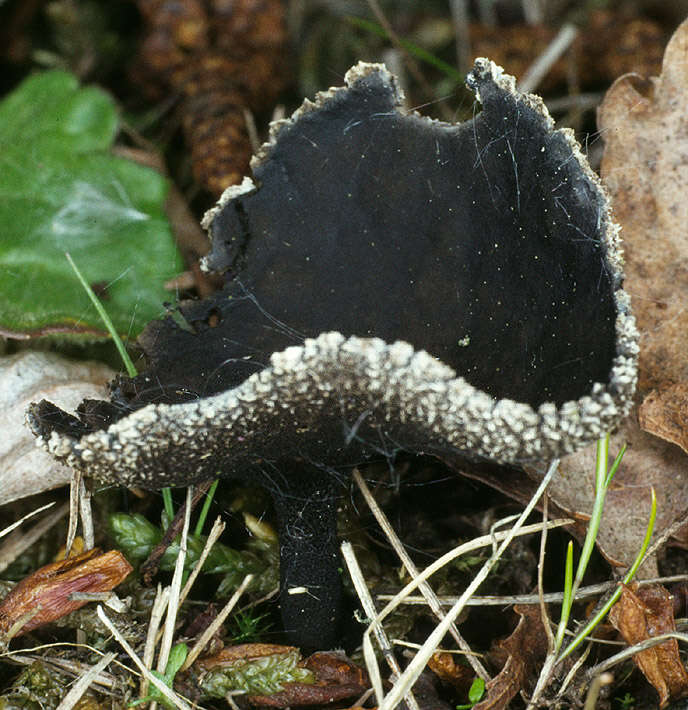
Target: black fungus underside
(479, 243)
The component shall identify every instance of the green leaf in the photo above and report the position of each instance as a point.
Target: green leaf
(475, 694)
(63, 191)
(477, 690)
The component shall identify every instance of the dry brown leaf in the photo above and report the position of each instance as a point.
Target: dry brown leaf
(665, 414)
(29, 377)
(44, 595)
(446, 667)
(645, 168)
(641, 614)
(523, 651)
(648, 462)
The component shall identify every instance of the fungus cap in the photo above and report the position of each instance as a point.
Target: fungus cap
(393, 282)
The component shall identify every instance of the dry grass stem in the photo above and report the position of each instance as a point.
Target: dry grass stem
(462, 36)
(574, 669)
(17, 523)
(533, 12)
(175, 589)
(475, 544)
(632, 650)
(86, 514)
(667, 533)
(411, 63)
(74, 491)
(424, 588)
(162, 597)
(420, 660)
(69, 666)
(594, 690)
(380, 634)
(202, 641)
(593, 590)
(77, 691)
(167, 692)
(540, 573)
(537, 71)
(213, 536)
(574, 102)
(16, 545)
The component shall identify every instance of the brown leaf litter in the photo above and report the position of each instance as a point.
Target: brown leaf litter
(45, 595)
(640, 614)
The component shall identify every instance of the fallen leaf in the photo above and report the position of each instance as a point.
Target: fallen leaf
(446, 667)
(520, 653)
(648, 462)
(44, 595)
(664, 413)
(29, 377)
(63, 191)
(641, 614)
(645, 168)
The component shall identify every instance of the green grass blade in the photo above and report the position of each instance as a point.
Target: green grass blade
(596, 515)
(128, 364)
(567, 601)
(588, 628)
(615, 465)
(204, 510)
(410, 47)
